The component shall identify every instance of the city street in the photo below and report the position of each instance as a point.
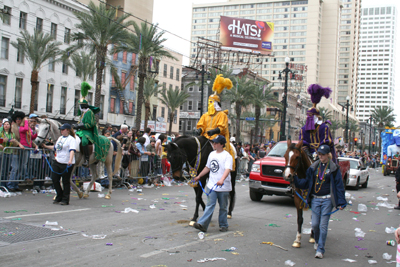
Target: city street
(161, 236)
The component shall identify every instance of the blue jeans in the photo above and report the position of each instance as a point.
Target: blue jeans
(223, 209)
(6, 158)
(320, 221)
(14, 172)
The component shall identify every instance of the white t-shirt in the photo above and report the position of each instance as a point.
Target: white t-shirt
(63, 146)
(218, 163)
(146, 136)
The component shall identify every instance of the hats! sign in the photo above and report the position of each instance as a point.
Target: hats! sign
(246, 35)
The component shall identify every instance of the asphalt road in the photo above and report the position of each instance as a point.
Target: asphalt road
(162, 237)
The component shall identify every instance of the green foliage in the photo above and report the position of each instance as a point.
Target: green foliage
(83, 64)
(325, 114)
(383, 116)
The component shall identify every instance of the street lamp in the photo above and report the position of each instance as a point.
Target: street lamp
(370, 130)
(202, 72)
(286, 71)
(346, 106)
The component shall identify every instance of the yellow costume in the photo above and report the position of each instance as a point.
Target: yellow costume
(215, 121)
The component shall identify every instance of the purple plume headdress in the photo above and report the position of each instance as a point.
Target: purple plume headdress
(316, 92)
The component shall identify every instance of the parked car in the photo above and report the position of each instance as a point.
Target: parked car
(359, 175)
(266, 176)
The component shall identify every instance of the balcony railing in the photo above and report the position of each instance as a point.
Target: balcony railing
(2, 102)
(49, 108)
(17, 104)
(62, 110)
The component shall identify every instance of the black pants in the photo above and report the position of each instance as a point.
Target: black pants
(62, 193)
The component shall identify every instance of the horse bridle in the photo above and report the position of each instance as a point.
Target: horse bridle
(298, 162)
(185, 155)
(48, 131)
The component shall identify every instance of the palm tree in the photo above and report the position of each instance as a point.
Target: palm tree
(146, 41)
(335, 125)
(173, 99)
(38, 48)
(150, 89)
(239, 95)
(83, 64)
(99, 28)
(383, 116)
(354, 128)
(325, 114)
(262, 97)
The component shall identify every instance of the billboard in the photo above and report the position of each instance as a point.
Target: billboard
(246, 35)
(155, 126)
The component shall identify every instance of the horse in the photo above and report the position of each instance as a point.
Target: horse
(194, 152)
(49, 128)
(297, 163)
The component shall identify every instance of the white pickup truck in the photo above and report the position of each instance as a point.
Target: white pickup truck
(359, 175)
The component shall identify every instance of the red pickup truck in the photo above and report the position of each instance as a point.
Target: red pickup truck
(266, 176)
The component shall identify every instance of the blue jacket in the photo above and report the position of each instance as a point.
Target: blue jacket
(337, 188)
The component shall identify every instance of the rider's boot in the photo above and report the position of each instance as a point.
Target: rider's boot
(85, 150)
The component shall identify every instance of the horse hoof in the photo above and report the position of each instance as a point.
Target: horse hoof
(229, 216)
(311, 240)
(85, 195)
(80, 194)
(191, 223)
(107, 197)
(296, 245)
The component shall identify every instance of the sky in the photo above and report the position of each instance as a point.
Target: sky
(179, 23)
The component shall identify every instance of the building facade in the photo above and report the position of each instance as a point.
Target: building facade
(321, 36)
(376, 80)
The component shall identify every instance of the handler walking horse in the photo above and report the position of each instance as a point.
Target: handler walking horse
(50, 128)
(194, 151)
(297, 163)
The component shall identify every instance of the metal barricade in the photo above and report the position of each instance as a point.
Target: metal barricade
(19, 165)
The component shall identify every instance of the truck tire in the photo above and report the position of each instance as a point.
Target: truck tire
(384, 171)
(357, 184)
(365, 185)
(255, 196)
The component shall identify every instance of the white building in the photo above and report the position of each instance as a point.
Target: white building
(376, 80)
(59, 87)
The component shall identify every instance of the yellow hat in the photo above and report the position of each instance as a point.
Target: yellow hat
(215, 98)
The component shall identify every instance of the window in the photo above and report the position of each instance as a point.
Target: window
(171, 73)
(7, 15)
(132, 83)
(163, 112)
(101, 106)
(49, 98)
(112, 105)
(121, 107)
(124, 57)
(53, 31)
(67, 36)
(20, 55)
(164, 87)
(188, 125)
(190, 105)
(177, 74)
(18, 93)
(3, 88)
(199, 105)
(63, 100)
(165, 70)
(123, 78)
(77, 97)
(39, 24)
(65, 68)
(22, 20)
(5, 45)
(51, 64)
(154, 114)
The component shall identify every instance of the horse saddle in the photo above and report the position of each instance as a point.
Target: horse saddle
(90, 148)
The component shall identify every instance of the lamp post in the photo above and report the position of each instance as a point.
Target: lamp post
(370, 131)
(346, 106)
(202, 72)
(286, 71)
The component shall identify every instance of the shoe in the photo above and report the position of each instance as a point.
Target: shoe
(199, 227)
(223, 229)
(64, 203)
(397, 208)
(319, 255)
(56, 202)
(315, 246)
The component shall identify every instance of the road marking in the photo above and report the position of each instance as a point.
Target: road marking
(46, 213)
(156, 252)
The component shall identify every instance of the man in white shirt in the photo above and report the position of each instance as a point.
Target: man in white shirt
(219, 165)
(146, 135)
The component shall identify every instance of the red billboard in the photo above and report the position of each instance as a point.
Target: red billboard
(246, 35)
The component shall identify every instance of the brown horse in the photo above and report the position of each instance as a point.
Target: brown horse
(297, 163)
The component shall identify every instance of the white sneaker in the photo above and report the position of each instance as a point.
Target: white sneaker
(315, 246)
(319, 255)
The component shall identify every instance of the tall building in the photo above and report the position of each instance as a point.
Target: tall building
(319, 37)
(376, 80)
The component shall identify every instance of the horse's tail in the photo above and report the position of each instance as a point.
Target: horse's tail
(118, 158)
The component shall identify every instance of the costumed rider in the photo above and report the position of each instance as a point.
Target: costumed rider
(215, 121)
(316, 132)
(87, 129)
(394, 149)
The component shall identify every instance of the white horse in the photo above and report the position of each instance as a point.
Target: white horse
(49, 128)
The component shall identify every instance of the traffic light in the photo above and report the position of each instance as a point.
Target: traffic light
(373, 144)
(355, 140)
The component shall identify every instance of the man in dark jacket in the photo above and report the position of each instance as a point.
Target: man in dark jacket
(326, 191)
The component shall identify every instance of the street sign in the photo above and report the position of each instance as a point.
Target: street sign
(250, 118)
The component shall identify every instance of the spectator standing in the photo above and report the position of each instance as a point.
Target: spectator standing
(65, 149)
(219, 165)
(146, 135)
(152, 149)
(160, 140)
(144, 159)
(7, 155)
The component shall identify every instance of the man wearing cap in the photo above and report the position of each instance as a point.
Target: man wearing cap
(219, 165)
(326, 191)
